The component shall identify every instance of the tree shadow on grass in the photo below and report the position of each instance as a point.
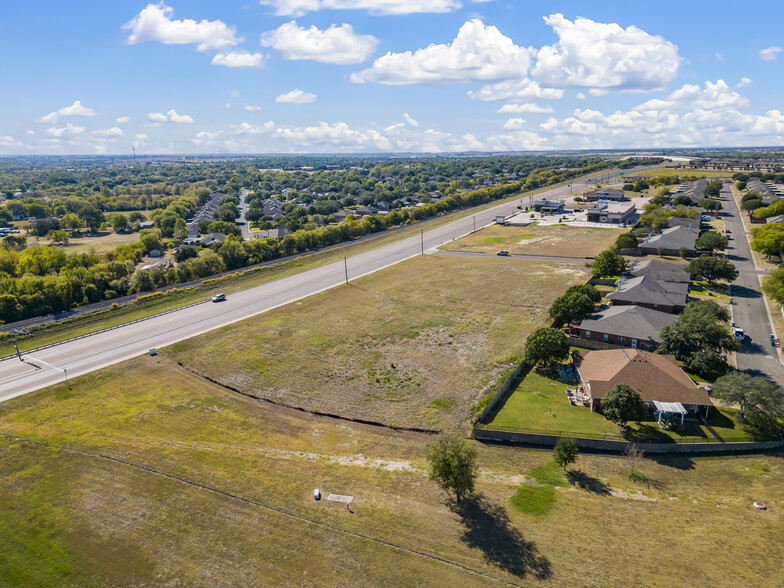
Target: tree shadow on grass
(672, 460)
(589, 483)
(651, 483)
(488, 528)
(645, 433)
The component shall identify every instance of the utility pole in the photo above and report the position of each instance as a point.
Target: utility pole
(345, 266)
(422, 239)
(474, 223)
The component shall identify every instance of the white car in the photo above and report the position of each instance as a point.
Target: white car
(219, 298)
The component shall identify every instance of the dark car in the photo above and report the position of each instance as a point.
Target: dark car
(504, 252)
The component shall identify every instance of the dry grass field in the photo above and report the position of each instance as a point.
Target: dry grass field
(411, 346)
(103, 242)
(554, 240)
(143, 474)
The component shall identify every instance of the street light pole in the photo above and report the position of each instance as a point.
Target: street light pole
(345, 266)
(67, 383)
(422, 240)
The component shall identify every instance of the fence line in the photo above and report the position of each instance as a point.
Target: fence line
(599, 436)
(104, 330)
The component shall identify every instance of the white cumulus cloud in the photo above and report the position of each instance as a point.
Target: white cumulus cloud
(75, 109)
(478, 53)
(590, 54)
(525, 89)
(156, 118)
(525, 107)
(336, 44)
(238, 59)
(252, 108)
(712, 96)
(120, 120)
(770, 53)
(113, 132)
(302, 7)
(296, 97)
(249, 129)
(155, 23)
(68, 129)
(514, 124)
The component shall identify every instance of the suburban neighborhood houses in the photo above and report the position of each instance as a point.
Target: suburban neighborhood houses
(657, 378)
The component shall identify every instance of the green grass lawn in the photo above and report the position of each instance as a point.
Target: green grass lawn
(540, 405)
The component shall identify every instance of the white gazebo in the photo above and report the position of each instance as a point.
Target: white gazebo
(669, 408)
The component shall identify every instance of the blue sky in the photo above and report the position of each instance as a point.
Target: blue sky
(279, 76)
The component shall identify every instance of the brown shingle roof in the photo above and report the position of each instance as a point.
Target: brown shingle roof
(655, 377)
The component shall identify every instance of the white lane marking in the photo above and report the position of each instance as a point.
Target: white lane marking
(35, 359)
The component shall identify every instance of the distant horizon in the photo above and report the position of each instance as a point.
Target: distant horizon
(658, 152)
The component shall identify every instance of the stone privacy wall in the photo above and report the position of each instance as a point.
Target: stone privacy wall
(609, 445)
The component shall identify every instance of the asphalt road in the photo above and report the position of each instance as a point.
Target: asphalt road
(749, 310)
(242, 221)
(49, 366)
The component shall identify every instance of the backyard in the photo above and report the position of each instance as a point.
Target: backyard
(539, 405)
(554, 240)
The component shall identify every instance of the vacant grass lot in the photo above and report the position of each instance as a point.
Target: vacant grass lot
(555, 240)
(71, 514)
(413, 345)
(103, 242)
(683, 172)
(539, 404)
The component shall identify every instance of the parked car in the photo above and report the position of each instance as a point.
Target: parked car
(503, 252)
(219, 298)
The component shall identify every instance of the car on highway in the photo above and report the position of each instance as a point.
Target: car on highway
(503, 252)
(219, 298)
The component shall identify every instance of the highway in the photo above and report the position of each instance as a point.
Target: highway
(749, 310)
(46, 367)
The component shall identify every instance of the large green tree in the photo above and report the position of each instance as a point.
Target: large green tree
(546, 346)
(622, 404)
(577, 303)
(712, 241)
(92, 217)
(768, 239)
(452, 465)
(700, 337)
(712, 268)
(608, 263)
(752, 394)
(713, 189)
(626, 241)
(773, 285)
